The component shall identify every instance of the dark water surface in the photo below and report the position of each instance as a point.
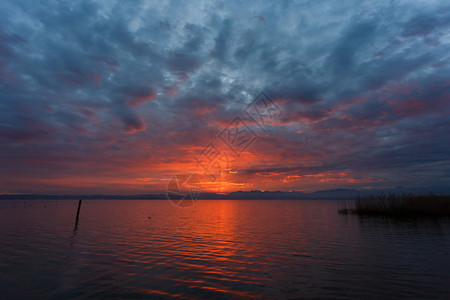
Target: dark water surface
(217, 249)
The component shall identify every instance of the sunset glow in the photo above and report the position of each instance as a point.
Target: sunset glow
(211, 149)
(129, 101)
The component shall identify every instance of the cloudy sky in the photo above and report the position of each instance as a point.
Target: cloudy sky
(119, 96)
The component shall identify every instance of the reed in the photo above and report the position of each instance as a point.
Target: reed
(430, 205)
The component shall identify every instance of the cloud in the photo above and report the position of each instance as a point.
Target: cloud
(363, 85)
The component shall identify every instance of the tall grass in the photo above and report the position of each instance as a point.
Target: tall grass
(401, 205)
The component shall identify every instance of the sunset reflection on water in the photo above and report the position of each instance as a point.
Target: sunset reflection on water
(216, 249)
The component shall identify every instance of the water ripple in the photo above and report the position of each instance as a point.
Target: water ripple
(218, 249)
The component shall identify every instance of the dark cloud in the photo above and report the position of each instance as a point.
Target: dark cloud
(342, 58)
(364, 87)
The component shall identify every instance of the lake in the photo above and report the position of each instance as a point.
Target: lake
(233, 249)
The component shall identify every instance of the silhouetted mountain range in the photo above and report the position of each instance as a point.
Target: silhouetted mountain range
(336, 194)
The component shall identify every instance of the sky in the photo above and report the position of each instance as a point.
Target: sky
(119, 96)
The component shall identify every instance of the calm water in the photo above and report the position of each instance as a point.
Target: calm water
(217, 249)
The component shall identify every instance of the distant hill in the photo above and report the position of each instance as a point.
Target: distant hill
(336, 194)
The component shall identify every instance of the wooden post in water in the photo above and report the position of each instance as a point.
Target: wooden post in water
(78, 215)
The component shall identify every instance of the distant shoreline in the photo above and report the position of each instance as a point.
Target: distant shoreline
(336, 194)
